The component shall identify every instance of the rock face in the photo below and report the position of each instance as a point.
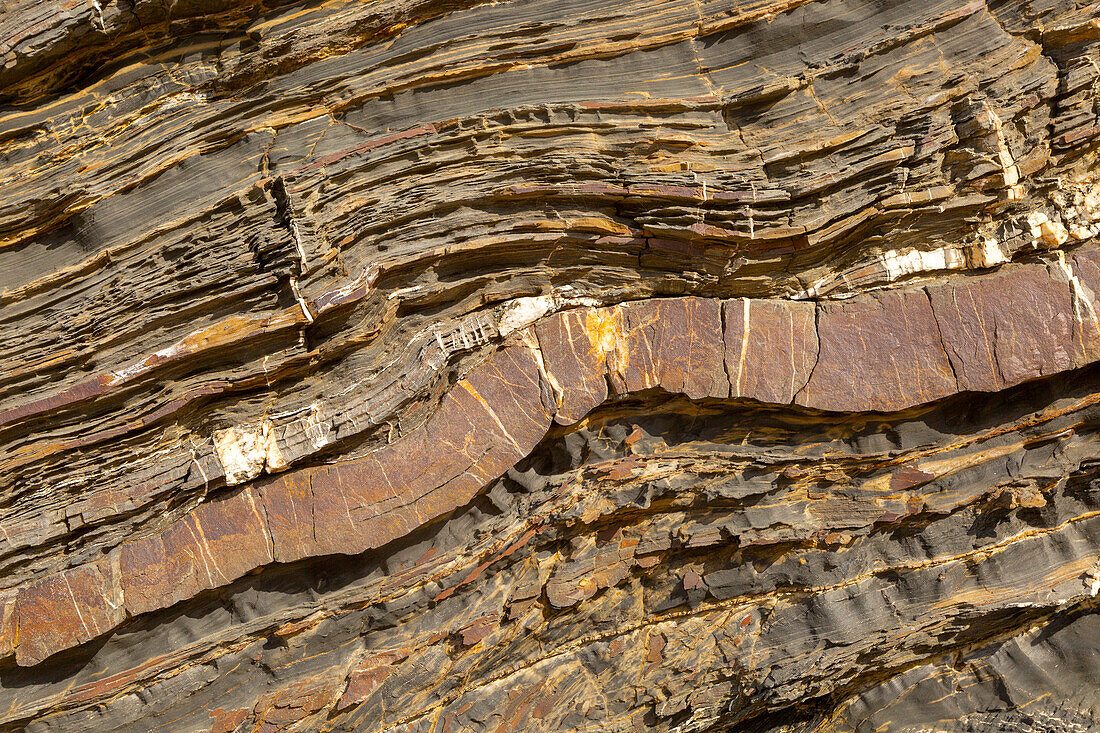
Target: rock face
(548, 366)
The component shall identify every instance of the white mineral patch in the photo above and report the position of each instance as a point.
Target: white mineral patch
(184, 99)
(522, 312)
(241, 452)
(318, 429)
(1082, 296)
(99, 13)
(1081, 233)
(1092, 581)
(366, 278)
(301, 301)
(1010, 171)
(987, 253)
(1035, 221)
(1090, 207)
(245, 450)
(899, 264)
(1053, 233)
(273, 457)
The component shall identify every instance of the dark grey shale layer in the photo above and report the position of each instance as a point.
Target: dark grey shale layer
(307, 239)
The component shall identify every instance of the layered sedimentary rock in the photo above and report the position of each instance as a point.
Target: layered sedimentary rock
(409, 366)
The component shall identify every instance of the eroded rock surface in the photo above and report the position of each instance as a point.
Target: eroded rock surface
(517, 366)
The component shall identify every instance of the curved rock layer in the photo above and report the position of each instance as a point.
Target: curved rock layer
(409, 366)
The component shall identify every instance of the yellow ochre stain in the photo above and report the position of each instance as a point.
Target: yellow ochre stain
(603, 329)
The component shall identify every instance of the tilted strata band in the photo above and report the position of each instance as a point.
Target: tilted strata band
(878, 352)
(411, 366)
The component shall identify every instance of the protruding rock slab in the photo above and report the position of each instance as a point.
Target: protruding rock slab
(63, 610)
(1006, 327)
(881, 352)
(574, 345)
(771, 348)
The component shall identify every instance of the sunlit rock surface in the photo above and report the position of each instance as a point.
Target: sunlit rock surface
(549, 366)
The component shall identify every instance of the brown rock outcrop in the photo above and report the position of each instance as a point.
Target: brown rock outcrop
(543, 366)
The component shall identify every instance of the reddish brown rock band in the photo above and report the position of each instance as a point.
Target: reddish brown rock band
(979, 333)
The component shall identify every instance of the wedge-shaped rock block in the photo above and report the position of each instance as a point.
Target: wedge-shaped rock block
(771, 348)
(574, 345)
(881, 352)
(675, 344)
(66, 609)
(1007, 327)
(217, 543)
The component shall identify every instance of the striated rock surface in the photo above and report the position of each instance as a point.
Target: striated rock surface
(549, 366)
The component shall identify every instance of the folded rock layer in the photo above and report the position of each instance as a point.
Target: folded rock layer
(536, 366)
